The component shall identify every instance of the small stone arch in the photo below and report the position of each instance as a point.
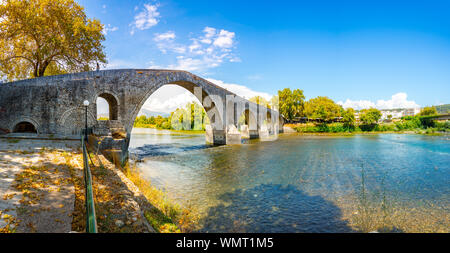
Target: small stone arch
(24, 127)
(73, 120)
(113, 103)
(25, 123)
(248, 116)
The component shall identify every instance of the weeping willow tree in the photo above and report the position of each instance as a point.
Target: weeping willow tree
(47, 37)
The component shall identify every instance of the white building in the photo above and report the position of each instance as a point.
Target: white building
(411, 111)
(394, 114)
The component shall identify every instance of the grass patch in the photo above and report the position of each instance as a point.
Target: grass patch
(167, 217)
(13, 140)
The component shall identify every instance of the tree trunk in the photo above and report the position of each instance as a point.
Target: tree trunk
(43, 68)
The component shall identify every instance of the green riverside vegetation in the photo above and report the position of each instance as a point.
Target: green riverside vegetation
(194, 111)
(417, 124)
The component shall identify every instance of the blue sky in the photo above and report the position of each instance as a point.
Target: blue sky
(360, 53)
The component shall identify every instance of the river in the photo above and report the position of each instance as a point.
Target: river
(304, 183)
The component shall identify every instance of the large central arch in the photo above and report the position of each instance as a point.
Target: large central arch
(207, 100)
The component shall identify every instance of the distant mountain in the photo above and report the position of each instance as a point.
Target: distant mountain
(443, 109)
(149, 113)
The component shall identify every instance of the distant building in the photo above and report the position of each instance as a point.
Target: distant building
(394, 114)
(411, 112)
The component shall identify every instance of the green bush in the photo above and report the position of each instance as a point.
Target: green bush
(443, 126)
(385, 128)
(368, 127)
(324, 128)
(409, 123)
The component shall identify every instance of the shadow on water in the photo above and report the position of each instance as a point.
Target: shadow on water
(151, 150)
(270, 208)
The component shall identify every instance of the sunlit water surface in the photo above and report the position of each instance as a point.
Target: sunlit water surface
(361, 183)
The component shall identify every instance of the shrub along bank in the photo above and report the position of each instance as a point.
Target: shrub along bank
(419, 124)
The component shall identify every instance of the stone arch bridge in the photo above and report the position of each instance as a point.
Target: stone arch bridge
(53, 105)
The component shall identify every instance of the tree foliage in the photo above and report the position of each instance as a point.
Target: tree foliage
(291, 103)
(348, 117)
(192, 117)
(370, 116)
(426, 111)
(322, 108)
(46, 37)
(260, 101)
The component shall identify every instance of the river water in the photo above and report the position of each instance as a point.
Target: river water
(304, 183)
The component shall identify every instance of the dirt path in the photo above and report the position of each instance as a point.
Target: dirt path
(42, 190)
(36, 189)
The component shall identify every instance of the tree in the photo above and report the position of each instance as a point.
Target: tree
(323, 108)
(370, 116)
(260, 101)
(192, 117)
(274, 103)
(348, 117)
(291, 103)
(426, 111)
(46, 37)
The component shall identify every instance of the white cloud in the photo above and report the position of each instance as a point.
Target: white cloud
(398, 100)
(240, 90)
(209, 32)
(166, 42)
(170, 97)
(225, 39)
(188, 64)
(165, 36)
(147, 18)
(109, 28)
(208, 50)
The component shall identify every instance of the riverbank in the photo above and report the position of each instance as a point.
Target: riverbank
(42, 190)
(340, 129)
(165, 216)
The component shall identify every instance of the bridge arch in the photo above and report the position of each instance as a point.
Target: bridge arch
(248, 122)
(113, 104)
(25, 125)
(211, 103)
(72, 122)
